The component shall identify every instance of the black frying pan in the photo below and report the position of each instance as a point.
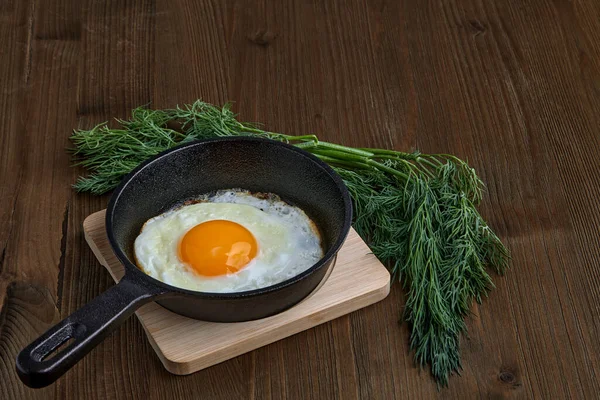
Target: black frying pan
(166, 180)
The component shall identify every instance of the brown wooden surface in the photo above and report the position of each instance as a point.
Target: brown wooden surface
(511, 85)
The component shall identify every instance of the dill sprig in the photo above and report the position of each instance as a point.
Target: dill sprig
(417, 212)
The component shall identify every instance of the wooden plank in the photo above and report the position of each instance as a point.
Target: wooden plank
(185, 345)
(38, 78)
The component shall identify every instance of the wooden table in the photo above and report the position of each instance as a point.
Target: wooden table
(512, 86)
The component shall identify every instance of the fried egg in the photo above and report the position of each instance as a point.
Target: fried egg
(229, 241)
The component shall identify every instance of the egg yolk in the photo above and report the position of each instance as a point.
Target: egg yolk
(217, 247)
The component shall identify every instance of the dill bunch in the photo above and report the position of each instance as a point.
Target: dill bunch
(417, 212)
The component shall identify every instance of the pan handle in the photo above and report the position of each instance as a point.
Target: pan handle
(88, 326)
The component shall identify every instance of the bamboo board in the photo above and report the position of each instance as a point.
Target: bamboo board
(186, 345)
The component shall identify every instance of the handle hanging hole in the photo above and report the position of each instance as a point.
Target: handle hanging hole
(58, 349)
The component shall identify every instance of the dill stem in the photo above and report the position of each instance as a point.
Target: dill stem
(341, 162)
(393, 154)
(344, 149)
(426, 170)
(308, 145)
(336, 154)
(350, 158)
(307, 138)
(426, 161)
(387, 169)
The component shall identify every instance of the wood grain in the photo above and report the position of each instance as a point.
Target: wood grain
(512, 86)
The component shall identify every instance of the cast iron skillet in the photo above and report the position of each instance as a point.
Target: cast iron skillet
(258, 165)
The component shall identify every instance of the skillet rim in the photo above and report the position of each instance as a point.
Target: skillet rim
(130, 267)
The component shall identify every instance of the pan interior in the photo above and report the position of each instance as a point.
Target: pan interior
(250, 164)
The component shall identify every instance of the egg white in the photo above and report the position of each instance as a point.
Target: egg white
(288, 242)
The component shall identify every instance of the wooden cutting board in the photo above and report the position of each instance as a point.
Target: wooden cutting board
(186, 345)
